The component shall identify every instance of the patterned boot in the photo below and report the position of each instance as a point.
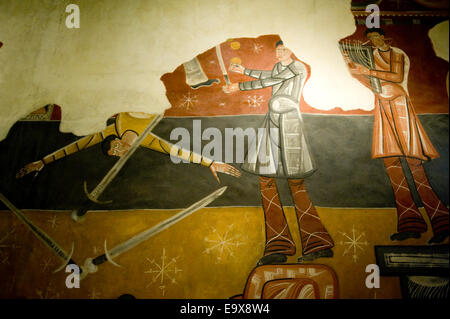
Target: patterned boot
(410, 222)
(316, 241)
(436, 210)
(279, 241)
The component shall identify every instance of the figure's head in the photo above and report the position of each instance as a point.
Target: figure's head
(375, 36)
(283, 53)
(114, 146)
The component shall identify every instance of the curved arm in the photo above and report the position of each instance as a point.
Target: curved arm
(396, 73)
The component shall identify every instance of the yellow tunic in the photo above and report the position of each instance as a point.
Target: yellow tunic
(136, 122)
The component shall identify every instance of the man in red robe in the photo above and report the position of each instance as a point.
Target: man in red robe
(398, 133)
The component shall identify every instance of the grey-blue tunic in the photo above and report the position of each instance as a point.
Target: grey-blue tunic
(280, 148)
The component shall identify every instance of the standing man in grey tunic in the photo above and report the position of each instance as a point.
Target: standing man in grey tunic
(282, 151)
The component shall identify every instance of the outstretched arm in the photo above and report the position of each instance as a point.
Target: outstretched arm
(160, 145)
(257, 74)
(65, 151)
(264, 79)
(264, 82)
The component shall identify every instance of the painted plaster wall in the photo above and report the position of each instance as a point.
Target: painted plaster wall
(439, 37)
(114, 62)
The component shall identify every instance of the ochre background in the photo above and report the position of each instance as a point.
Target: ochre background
(26, 265)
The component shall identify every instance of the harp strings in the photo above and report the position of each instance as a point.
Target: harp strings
(362, 54)
(354, 50)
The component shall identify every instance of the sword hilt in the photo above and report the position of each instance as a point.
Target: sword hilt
(98, 190)
(104, 258)
(227, 79)
(90, 265)
(68, 261)
(94, 196)
(78, 214)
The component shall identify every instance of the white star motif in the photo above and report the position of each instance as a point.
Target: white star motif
(46, 264)
(223, 244)
(54, 222)
(3, 239)
(96, 250)
(353, 243)
(255, 101)
(257, 47)
(188, 101)
(4, 255)
(166, 271)
(47, 293)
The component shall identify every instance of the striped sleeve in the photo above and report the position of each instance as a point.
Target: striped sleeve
(266, 79)
(257, 74)
(158, 144)
(79, 145)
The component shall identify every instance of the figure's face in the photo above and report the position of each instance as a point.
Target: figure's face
(283, 53)
(118, 148)
(376, 39)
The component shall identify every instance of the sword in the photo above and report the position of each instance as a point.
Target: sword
(222, 65)
(98, 190)
(42, 236)
(90, 264)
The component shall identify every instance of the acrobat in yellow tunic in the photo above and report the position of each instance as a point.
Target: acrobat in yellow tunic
(135, 122)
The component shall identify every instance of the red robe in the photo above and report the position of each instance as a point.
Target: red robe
(397, 130)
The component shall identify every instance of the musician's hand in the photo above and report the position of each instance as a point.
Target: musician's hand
(233, 87)
(31, 167)
(359, 69)
(237, 68)
(223, 168)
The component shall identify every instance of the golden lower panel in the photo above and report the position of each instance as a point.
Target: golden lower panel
(210, 254)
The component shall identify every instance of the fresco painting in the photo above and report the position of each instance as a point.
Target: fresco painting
(398, 133)
(283, 152)
(297, 210)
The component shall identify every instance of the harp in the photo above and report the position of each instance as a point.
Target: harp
(361, 54)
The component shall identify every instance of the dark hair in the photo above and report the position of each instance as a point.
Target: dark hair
(106, 143)
(279, 43)
(377, 30)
